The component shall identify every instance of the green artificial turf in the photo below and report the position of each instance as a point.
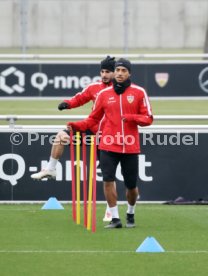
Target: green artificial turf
(49, 107)
(48, 242)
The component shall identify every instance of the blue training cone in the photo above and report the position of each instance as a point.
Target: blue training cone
(150, 244)
(52, 204)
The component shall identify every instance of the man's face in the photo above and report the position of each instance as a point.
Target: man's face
(106, 75)
(121, 74)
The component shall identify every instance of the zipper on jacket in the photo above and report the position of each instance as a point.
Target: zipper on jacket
(122, 122)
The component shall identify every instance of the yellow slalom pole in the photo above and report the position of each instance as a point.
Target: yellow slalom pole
(89, 209)
(78, 176)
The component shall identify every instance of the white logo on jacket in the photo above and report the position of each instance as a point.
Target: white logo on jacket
(111, 100)
(130, 98)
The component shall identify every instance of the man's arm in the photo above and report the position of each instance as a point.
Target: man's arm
(83, 125)
(79, 99)
(145, 117)
(92, 120)
(141, 120)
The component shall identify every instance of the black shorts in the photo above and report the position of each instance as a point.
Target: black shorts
(129, 166)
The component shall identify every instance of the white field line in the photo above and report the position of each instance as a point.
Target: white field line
(67, 207)
(95, 252)
(16, 202)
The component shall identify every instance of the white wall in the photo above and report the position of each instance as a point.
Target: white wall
(100, 23)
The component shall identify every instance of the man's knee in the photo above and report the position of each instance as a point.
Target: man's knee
(131, 185)
(62, 138)
(109, 184)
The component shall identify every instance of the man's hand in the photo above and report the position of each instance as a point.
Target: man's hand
(70, 126)
(63, 105)
(139, 119)
(128, 117)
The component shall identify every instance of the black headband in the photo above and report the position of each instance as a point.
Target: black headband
(125, 63)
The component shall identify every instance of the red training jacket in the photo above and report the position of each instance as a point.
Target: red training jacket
(88, 94)
(123, 113)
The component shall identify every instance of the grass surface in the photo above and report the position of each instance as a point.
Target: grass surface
(47, 242)
(160, 107)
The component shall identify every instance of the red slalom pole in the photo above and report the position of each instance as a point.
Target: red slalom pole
(94, 187)
(73, 177)
(84, 177)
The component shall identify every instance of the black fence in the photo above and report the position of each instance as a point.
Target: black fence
(65, 80)
(170, 165)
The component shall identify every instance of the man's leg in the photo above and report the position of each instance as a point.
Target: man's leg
(132, 195)
(110, 193)
(62, 139)
(108, 215)
(108, 163)
(111, 197)
(129, 165)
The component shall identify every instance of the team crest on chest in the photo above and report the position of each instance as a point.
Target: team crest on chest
(130, 98)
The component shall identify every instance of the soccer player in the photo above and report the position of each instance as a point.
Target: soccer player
(62, 138)
(125, 106)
